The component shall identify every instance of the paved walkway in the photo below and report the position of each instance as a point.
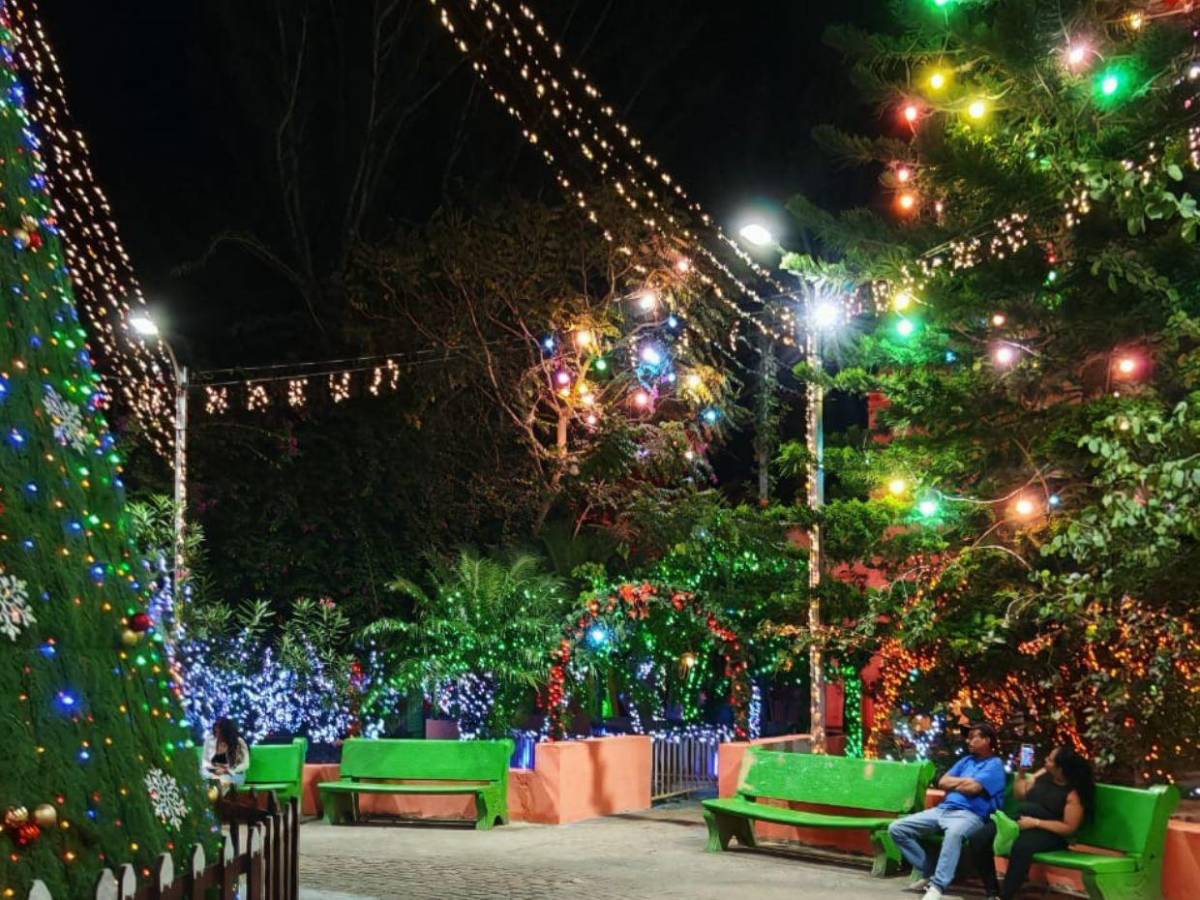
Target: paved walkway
(657, 854)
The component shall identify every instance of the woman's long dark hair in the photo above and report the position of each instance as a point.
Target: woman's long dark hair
(1079, 775)
(227, 732)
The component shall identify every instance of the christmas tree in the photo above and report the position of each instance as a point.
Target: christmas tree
(99, 769)
(1033, 482)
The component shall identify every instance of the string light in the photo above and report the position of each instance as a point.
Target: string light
(605, 144)
(102, 275)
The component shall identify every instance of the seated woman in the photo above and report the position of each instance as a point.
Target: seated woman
(1053, 803)
(226, 756)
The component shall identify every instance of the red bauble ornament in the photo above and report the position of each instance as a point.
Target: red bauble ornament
(27, 834)
(140, 622)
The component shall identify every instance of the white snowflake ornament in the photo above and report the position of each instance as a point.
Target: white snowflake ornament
(15, 614)
(66, 418)
(165, 797)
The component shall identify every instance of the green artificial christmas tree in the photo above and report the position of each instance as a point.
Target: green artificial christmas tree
(1033, 483)
(99, 769)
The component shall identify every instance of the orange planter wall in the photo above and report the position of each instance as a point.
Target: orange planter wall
(571, 781)
(1181, 865)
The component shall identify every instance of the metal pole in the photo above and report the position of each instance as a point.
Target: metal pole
(815, 438)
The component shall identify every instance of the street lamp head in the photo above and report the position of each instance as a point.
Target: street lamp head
(757, 234)
(143, 325)
(825, 314)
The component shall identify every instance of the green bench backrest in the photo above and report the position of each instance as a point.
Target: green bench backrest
(874, 784)
(1128, 819)
(426, 760)
(277, 762)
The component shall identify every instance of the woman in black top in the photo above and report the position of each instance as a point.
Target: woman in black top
(1053, 803)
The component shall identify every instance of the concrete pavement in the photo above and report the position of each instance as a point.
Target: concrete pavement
(659, 853)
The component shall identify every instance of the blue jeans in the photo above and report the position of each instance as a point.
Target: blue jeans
(956, 824)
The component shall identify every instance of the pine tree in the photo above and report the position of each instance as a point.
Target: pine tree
(98, 768)
(1034, 482)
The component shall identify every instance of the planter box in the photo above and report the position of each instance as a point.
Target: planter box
(571, 781)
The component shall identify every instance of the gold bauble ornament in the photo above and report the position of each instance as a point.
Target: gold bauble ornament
(214, 794)
(45, 815)
(15, 816)
(22, 236)
(130, 638)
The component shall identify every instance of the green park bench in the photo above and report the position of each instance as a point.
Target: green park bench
(278, 768)
(426, 767)
(1132, 821)
(883, 789)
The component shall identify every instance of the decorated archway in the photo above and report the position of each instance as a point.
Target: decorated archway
(639, 603)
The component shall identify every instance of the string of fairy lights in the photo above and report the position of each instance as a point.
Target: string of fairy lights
(541, 87)
(102, 275)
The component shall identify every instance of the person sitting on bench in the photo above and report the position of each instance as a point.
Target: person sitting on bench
(226, 756)
(974, 790)
(1053, 803)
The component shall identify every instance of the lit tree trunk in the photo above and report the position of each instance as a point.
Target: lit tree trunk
(765, 417)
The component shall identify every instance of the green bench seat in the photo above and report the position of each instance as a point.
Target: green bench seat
(883, 789)
(278, 768)
(1131, 821)
(389, 766)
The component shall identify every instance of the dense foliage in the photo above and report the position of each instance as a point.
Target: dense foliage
(1031, 482)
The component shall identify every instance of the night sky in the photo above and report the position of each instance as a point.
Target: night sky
(724, 93)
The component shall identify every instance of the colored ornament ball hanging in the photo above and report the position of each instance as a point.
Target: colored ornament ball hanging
(45, 815)
(140, 622)
(15, 817)
(27, 834)
(130, 638)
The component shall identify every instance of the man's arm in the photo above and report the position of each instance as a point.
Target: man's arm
(968, 786)
(953, 781)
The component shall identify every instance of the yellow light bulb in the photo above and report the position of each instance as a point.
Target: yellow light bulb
(694, 381)
(977, 109)
(902, 301)
(897, 486)
(937, 80)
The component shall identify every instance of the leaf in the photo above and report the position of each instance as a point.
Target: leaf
(1175, 172)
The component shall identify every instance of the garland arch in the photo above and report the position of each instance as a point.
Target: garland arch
(639, 602)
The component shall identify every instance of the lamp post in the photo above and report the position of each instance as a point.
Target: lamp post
(820, 315)
(147, 327)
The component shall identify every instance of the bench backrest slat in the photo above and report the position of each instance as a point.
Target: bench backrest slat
(873, 784)
(277, 762)
(1131, 820)
(426, 760)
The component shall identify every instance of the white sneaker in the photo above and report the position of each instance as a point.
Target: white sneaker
(934, 893)
(917, 885)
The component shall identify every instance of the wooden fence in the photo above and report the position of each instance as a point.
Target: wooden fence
(261, 853)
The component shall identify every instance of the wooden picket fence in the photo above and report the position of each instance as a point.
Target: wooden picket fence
(261, 853)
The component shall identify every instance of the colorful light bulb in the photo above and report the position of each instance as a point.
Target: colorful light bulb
(978, 109)
(897, 487)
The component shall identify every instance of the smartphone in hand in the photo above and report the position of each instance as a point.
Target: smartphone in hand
(1025, 761)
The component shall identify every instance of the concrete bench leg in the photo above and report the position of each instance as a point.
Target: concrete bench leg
(721, 829)
(491, 808)
(339, 807)
(887, 855)
(1123, 886)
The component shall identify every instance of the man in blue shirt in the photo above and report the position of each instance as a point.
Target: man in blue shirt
(974, 789)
